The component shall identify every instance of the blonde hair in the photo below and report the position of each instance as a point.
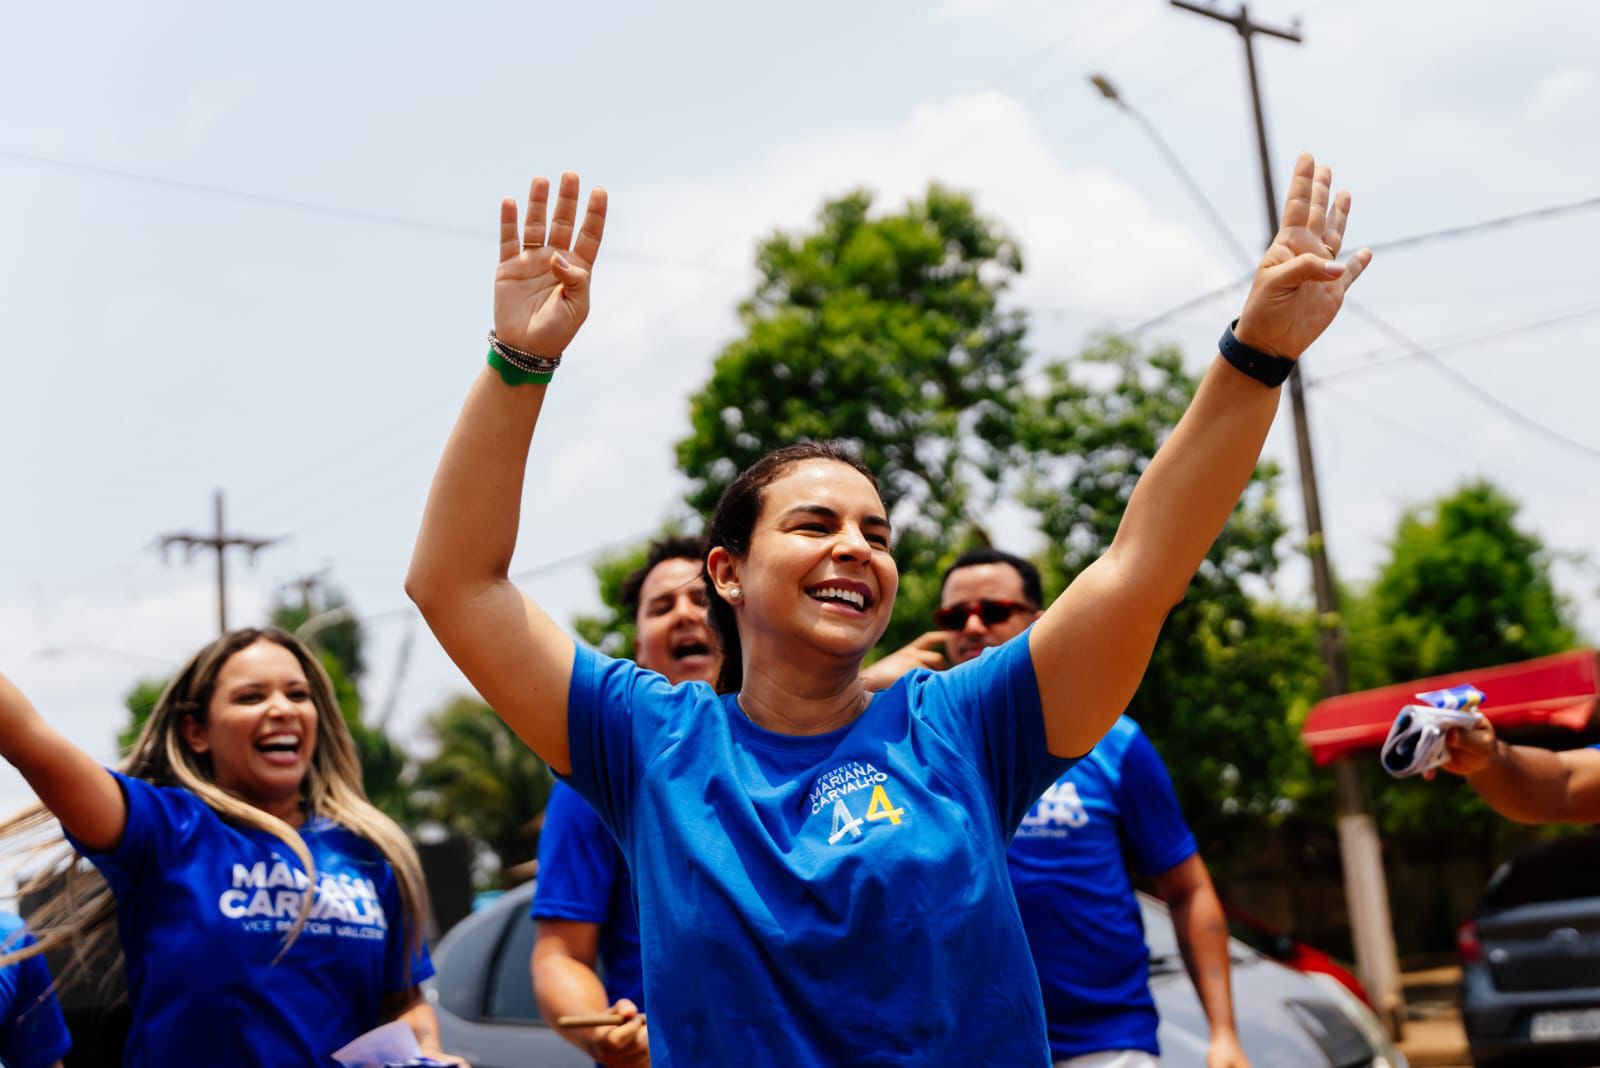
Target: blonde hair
(79, 914)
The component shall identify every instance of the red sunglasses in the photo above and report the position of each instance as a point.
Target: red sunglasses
(955, 616)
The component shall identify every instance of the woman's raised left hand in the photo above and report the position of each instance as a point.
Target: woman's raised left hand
(1300, 284)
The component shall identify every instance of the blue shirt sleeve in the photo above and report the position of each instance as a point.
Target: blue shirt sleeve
(1153, 824)
(32, 1032)
(619, 718)
(989, 707)
(158, 819)
(578, 862)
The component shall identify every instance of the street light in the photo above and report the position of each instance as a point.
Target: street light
(1109, 91)
(1366, 890)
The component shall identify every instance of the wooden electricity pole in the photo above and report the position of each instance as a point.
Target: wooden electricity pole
(219, 541)
(1365, 887)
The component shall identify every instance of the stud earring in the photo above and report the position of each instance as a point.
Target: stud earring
(735, 594)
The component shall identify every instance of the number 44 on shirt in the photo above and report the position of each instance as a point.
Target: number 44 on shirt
(878, 808)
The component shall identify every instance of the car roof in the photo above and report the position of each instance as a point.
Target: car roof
(1559, 869)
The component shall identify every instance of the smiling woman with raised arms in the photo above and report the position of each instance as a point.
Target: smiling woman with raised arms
(821, 871)
(268, 913)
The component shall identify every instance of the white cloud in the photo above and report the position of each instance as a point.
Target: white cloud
(1087, 236)
(1563, 96)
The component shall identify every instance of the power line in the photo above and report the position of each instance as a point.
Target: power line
(1484, 396)
(336, 211)
(1190, 184)
(1486, 224)
(1384, 358)
(1394, 243)
(1411, 430)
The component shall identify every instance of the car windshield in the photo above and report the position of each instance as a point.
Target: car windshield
(1557, 871)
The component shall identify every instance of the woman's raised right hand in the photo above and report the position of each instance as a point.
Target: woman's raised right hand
(541, 288)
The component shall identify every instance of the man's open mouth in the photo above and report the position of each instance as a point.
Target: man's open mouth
(684, 648)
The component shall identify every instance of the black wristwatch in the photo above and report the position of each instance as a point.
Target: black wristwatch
(1264, 367)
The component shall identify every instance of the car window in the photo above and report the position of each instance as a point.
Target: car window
(1557, 871)
(463, 962)
(511, 986)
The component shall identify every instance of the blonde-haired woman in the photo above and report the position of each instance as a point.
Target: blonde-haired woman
(242, 793)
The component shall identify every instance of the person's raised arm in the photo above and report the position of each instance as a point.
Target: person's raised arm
(1091, 647)
(514, 654)
(78, 791)
(1526, 783)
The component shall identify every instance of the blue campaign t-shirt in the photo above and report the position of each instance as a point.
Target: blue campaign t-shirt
(1070, 874)
(202, 908)
(583, 877)
(831, 899)
(32, 1033)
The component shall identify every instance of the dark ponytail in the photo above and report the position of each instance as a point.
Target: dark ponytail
(734, 520)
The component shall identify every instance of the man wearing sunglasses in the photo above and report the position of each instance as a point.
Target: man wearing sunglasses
(1069, 860)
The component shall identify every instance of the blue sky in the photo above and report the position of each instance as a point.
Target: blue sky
(249, 247)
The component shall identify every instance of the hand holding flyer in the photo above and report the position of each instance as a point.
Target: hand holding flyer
(1416, 743)
(393, 1045)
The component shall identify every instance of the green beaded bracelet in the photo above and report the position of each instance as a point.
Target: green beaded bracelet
(515, 376)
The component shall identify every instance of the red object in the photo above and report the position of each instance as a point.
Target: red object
(1467, 942)
(1271, 942)
(1552, 691)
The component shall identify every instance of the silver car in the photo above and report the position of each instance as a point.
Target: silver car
(487, 1012)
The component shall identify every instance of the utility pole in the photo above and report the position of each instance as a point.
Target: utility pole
(307, 585)
(219, 542)
(1365, 886)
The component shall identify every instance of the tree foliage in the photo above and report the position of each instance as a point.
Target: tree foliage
(1464, 587)
(483, 782)
(140, 701)
(885, 332)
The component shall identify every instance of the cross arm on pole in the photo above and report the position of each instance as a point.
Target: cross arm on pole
(1239, 20)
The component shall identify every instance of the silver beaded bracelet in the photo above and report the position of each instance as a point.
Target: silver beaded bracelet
(524, 361)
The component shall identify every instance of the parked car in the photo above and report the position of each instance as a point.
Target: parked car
(1530, 959)
(487, 1012)
(1290, 952)
(483, 992)
(1284, 1017)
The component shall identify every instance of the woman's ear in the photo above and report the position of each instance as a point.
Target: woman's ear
(723, 567)
(194, 733)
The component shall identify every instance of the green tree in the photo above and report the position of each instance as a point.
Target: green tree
(885, 332)
(329, 624)
(1231, 677)
(483, 782)
(140, 702)
(1464, 587)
